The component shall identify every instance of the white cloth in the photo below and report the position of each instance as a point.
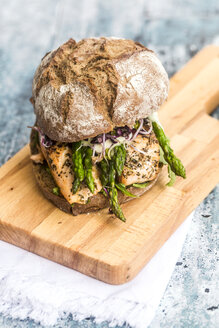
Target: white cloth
(33, 287)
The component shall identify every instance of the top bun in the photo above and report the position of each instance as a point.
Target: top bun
(84, 89)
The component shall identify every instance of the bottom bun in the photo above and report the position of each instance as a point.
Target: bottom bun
(97, 202)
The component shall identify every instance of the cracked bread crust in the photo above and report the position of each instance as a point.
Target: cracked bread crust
(84, 89)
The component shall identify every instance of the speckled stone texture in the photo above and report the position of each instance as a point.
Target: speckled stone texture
(176, 29)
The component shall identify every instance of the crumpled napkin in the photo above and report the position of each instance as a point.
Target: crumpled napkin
(31, 286)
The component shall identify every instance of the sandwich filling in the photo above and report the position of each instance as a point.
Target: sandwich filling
(108, 162)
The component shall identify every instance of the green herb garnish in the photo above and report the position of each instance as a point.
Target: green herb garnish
(55, 191)
(123, 189)
(141, 185)
(172, 177)
(48, 170)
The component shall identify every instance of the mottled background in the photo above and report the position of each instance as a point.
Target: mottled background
(176, 30)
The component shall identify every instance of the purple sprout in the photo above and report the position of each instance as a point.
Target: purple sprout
(44, 139)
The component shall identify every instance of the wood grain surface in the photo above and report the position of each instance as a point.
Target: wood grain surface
(96, 244)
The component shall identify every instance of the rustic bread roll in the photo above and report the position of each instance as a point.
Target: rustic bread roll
(97, 202)
(84, 89)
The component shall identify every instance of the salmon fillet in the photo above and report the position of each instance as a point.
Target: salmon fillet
(59, 160)
(141, 167)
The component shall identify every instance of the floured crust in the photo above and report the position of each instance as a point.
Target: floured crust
(97, 202)
(84, 89)
(142, 87)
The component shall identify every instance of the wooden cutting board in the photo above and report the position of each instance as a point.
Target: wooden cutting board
(96, 244)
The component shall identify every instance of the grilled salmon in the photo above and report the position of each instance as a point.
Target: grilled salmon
(141, 167)
(59, 160)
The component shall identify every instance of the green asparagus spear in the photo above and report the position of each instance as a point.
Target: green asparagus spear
(123, 189)
(141, 185)
(174, 162)
(115, 204)
(108, 180)
(77, 159)
(112, 173)
(88, 169)
(119, 158)
(76, 185)
(113, 193)
(104, 177)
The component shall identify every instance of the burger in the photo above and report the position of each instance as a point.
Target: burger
(97, 141)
